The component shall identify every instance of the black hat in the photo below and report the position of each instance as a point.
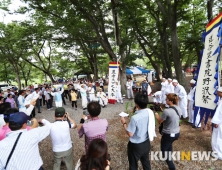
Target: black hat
(59, 112)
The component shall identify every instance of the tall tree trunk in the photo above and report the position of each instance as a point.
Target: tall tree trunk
(167, 58)
(210, 15)
(172, 21)
(17, 75)
(176, 55)
(95, 78)
(51, 77)
(26, 82)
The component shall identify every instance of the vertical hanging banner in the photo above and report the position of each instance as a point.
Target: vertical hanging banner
(113, 78)
(208, 72)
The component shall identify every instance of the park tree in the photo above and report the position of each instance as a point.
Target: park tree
(12, 46)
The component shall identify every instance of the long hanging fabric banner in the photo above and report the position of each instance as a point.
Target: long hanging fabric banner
(113, 78)
(208, 71)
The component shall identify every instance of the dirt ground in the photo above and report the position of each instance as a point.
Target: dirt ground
(190, 140)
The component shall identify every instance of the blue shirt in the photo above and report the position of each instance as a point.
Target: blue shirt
(144, 86)
(138, 125)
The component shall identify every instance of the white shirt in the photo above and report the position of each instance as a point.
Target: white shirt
(101, 82)
(180, 91)
(40, 92)
(60, 136)
(92, 90)
(2, 121)
(129, 84)
(47, 95)
(26, 154)
(76, 86)
(169, 88)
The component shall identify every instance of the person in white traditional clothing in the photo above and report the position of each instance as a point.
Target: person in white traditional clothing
(157, 97)
(181, 92)
(101, 83)
(21, 104)
(216, 140)
(91, 93)
(163, 89)
(58, 97)
(84, 96)
(118, 93)
(102, 98)
(190, 105)
(129, 85)
(169, 87)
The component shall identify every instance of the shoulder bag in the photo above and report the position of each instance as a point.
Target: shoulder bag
(161, 125)
(10, 155)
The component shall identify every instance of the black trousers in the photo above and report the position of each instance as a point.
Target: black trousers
(43, 98)
(38, 104)
(69, 94)
(166, 146)
(144, 92)
(48, 104)
(66, 93)
(79, 95)
(63, 98)
(74, 103)
(51, 100)
(138, 152)
(102, 88)
(33, 113)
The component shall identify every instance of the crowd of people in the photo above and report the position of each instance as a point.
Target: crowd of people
(20, 133)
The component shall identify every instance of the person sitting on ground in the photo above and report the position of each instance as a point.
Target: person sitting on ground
(26, 153)
(10, 100)
(61, 140)
(102, 98)
(96, 158)
(5, 129)
(95, 128)
(73, 98)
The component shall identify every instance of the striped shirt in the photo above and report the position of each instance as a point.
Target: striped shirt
(26, 154)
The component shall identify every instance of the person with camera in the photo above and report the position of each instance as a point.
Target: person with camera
(20, 150)
(5, 129)
(97, 157)
(95, 128)
(61, 140)
(171, 128)
(137, 130)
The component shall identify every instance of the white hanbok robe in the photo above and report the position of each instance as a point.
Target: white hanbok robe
(22, 107)
(58, 97)
(102, 98)
(84, 97)
(118, 93)
(91, 94)
(129, 86)
(181, 92)
(191, 111)
(169, 88)
(163, 89)
(158, 97)
(216, 140)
